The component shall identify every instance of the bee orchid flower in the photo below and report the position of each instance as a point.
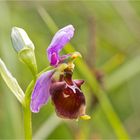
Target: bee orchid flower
(57, 84)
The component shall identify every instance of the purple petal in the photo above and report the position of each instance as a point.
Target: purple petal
(54, 59)
(60, 39)
(41, 94)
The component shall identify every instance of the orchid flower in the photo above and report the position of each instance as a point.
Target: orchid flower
(57, 84)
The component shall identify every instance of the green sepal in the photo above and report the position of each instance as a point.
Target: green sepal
(27, 56)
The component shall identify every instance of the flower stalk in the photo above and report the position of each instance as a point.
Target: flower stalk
(27, 121)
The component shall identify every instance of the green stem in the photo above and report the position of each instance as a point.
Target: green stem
(27, 112)
(27, 121)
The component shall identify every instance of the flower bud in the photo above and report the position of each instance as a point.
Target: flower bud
(20, 39)
(24, 47)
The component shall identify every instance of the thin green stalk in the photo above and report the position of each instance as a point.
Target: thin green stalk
(27, 121)
(27, 113)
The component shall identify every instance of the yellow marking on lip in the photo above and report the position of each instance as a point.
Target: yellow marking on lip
(85, 117)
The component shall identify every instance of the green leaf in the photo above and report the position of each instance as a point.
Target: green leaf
(11, 82)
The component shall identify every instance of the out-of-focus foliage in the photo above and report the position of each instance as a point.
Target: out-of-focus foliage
(107, 35)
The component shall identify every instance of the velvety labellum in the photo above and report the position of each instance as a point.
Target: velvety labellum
(67, 97)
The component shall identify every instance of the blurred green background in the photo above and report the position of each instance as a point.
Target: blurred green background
(107, 34)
